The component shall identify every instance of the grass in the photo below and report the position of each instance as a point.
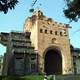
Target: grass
(34, 77)
(41, 77)
(28, 77)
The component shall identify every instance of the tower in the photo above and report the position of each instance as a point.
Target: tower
(51, 42)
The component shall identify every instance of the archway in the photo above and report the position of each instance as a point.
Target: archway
(53, 62)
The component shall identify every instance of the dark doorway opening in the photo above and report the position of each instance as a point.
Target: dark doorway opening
(53, 62)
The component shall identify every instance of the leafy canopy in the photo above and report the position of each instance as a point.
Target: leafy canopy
(5, 5)
(72, 10)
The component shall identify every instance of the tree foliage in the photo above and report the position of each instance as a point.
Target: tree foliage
(5, 5)
(72, 10)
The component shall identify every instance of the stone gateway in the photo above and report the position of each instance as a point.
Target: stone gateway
(51, 42)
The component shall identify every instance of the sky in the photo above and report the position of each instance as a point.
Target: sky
(14, 19)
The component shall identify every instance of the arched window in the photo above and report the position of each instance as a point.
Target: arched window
(53, 40)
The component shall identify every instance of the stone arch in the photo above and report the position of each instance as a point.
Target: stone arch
(53, 60)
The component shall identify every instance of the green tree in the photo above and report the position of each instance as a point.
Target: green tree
(72, 10)
(5, 5)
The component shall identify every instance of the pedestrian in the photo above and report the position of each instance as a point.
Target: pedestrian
(45, 77)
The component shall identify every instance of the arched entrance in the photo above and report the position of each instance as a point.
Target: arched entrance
(53, 62)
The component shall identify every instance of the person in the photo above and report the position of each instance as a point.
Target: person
(45, 77)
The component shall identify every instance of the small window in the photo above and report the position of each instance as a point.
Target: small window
(45, 31)
(41, 31)
(53, 40)
(55, 32)
(64, 32)
(61, 34)
(50, 31)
